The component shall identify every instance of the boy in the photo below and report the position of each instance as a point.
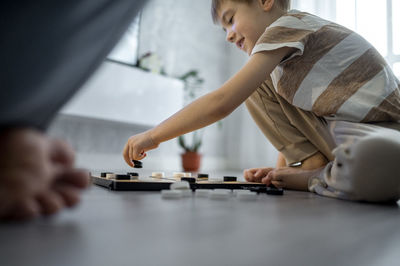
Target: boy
(311, 86)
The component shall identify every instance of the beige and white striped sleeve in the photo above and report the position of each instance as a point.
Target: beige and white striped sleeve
(291, 30)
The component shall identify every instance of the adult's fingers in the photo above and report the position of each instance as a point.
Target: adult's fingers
(24, 209)
(75, 177)
(62, 153)
(69, 194)
(50, 202)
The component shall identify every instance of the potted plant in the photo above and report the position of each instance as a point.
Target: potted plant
(191, 158)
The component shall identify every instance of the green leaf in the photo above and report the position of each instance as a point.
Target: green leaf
(181, 141)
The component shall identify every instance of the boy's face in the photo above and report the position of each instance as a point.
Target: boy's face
(244, 23)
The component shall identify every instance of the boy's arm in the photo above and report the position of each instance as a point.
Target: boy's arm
(209, 108)
(281, 161)
(221, 102)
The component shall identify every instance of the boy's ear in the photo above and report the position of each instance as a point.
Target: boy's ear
(267, 4)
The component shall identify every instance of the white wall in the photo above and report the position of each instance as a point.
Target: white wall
(181, 32)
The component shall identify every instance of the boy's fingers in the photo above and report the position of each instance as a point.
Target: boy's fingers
(132, 156)
(278, 184)
(269, 178)
(126, 156)
(266, 181)
(252, 170)
(248, 175)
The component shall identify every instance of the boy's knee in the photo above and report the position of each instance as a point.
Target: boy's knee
(375, 168)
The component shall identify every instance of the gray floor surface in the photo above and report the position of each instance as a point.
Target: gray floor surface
(141, 228)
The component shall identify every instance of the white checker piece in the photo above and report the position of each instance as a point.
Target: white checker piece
(180, 185)
(179, 175)
(158, 174)
(220, 194)
(247, 195)
(187, 192)
(171, 194)
(110, 176)
(203, 193)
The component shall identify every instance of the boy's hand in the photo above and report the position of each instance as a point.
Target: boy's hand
(136, 147)
(37, 175)
(294, 178)
(256, 174)
(267, 176)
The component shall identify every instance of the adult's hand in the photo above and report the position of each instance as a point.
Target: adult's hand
(37, 175)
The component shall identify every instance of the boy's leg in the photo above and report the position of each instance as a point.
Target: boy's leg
(366, 166)
(299, 135)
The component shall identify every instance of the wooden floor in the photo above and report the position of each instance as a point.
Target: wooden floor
(141, 228)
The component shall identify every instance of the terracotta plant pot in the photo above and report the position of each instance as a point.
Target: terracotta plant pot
(191, 161)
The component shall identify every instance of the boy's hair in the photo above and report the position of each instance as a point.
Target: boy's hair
(216, 4)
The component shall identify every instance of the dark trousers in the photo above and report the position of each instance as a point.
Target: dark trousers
(48, 49)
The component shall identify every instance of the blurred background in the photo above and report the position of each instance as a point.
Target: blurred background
(172, 54)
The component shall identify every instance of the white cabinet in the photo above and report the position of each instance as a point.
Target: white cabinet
(125, 94)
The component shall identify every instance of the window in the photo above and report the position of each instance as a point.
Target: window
(126, 50)
(378, 23)
(396, 26)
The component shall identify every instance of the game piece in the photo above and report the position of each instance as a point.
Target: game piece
(246, 195)
(202, 176)
(122, 177)
(137, 164)
(187, 192)
(132, 174)
(104, 174)
(154, 183)
(171, 194)
(230, 178)
(110, 175)
(158, 174)
(180, 185)
(178, 175)
(262, 189)
(274, 191)
(203, 192)
(240, 191)
(220, 194)
(191, 180)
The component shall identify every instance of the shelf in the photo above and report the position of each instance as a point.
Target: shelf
(121, 93)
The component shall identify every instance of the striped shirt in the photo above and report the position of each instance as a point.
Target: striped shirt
(333, 71)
